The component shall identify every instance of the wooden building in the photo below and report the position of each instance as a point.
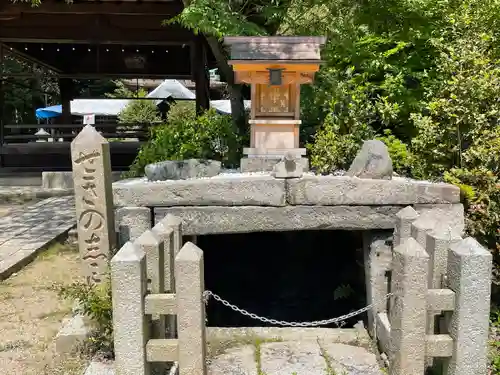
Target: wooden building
(94, 40)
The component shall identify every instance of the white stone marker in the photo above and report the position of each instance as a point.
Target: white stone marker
(91, 163)
(469, 276)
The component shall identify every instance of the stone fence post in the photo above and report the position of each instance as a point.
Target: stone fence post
(404, 219)
(189, 275)
(469, 276)
(153, 247)
(130, 324)
(169, 229)
(91, 163)
(409, 309)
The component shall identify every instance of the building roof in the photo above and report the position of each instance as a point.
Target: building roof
(296, 48)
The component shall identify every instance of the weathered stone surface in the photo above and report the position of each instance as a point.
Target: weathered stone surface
(404, 220)
(451, 215)
(357, 336)
(190, 285)
(372, 161)
(288, 167)
(340, 190)
(408, 313)
(72, 334)
(245, 219)
(266, 164)
(378, 260)
(131, 222)
(182, 169)
(217, 191)
(350, 360)
(91, 163)
(128, 284)
(469, 276)
(235, 361)
(285, 358)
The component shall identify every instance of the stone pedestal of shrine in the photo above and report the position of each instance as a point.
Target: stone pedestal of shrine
(275, 67)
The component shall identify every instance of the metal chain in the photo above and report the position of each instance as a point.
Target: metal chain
(207, 294)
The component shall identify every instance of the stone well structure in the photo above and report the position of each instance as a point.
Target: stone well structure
(245, 203)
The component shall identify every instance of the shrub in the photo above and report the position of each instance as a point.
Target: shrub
(185, 136)
(94, 301)
(345, 128)
(401, 156)
(140, 112)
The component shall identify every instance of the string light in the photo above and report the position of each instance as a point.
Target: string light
(107, 49)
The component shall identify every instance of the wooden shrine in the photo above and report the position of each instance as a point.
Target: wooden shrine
(84, 40)
(275, 67)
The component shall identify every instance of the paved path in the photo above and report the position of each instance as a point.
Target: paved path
(26, 193)
(305, 357)
(24, 231)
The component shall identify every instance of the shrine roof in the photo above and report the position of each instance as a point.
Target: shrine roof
(296, 48)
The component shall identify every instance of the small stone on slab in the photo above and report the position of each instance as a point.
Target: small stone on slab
(288, 167)
(182, 169)
(372, 161)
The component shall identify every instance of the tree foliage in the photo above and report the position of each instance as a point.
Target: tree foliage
(185, 136)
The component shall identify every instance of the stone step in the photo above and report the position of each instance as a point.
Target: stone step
(305, 357)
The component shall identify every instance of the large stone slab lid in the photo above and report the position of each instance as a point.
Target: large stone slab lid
(296, 48)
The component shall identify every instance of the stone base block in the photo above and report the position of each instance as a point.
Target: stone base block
(246, 219)
(64, 180)
(73, 333)
(266, 164)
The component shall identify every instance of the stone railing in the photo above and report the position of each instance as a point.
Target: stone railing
(440, 303)
(157, 320)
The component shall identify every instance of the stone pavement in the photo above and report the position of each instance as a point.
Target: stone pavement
(26, 230)
(25, 193)
(305, 357)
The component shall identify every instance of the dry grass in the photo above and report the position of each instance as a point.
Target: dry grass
(31, 315)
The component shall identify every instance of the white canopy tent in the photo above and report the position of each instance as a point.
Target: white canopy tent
(170, 88)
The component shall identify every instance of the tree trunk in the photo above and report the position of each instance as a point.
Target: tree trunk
(235, 92)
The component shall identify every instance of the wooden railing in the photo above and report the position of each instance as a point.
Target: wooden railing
(66, 132)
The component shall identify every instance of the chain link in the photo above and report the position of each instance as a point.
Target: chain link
(207, 294)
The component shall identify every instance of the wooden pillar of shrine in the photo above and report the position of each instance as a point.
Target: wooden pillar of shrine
(275, 67)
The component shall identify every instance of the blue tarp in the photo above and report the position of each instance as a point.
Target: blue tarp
(49, 112)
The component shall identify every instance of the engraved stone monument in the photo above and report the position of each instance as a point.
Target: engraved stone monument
(275, 67)
(91, 163)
